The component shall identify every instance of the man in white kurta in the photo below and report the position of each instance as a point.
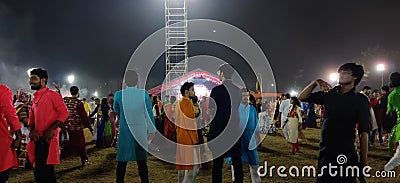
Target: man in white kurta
(284, 110)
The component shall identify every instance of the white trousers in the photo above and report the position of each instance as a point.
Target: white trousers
(189, 176)
(255, 177)
(394, 161)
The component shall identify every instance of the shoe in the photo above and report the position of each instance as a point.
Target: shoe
(84, 162)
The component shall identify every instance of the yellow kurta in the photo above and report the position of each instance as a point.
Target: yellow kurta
(186, 133)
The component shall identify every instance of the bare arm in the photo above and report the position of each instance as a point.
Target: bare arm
(18, 139)
(324, 86)
(364, 148)
(48, 134)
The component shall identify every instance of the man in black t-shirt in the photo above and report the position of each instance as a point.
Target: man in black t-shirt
(344, 109)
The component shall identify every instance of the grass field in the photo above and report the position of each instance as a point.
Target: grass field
(276, 151)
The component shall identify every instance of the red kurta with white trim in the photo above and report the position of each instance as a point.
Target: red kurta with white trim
(8, 118)
(47, 107)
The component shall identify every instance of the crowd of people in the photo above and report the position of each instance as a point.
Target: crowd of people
(48, 127)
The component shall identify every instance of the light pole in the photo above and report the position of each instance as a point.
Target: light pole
(381, 68)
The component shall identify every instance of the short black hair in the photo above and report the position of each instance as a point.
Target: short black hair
(97, 99)
(84, 99)
(110, 95)
(42, 73)
(131, 78)
(172, 99)
(154, 100)
(287, 95)
(357, 71)
(186, 86)
(195, 99)
(227, 69)
(385, 88)
(366, 88)
(74, 90)
(296, 101)
(395, 79)
(252, 99)
(375, 91)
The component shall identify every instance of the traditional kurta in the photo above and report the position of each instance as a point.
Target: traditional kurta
(76, 122)
(169, 127)
(249, 122)
(47, 107)
(295, 120)
(86, 105)
(394, 106)
(136, 120)
(8, 118)
(186, 132)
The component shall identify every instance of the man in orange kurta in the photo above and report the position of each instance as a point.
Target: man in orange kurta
(187, 154)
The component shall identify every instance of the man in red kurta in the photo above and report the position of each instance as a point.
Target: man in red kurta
(48, 111)
(8, 118)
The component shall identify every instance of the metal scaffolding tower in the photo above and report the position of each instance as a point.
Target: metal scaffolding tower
(176, 48)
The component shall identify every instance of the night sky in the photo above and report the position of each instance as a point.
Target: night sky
(94, 39)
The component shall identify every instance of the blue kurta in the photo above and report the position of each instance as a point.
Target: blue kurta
(135, 122)
(248, 114)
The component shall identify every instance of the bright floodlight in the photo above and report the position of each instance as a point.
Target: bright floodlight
(201, 90)
(294, 93)
(71, 79)
(334, 77)
(380, 67)
(95, 94)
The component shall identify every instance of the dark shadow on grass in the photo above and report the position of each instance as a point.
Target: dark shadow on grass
(107, 165)
(307, 156)
(94, 149)
(91, 142)
(310, 146)
(379, 157)
(312, 140)
(267, 150)
(61, 173)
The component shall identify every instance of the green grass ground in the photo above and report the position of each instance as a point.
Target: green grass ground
(277, 152)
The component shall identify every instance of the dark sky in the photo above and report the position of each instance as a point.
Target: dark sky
(302, 39)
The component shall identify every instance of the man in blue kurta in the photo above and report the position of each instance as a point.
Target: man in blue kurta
(136, 124)
(249, 123)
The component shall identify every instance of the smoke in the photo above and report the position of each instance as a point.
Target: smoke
(14, 77)
(14, 38)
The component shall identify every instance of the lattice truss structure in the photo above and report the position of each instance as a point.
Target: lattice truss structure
(176, 48)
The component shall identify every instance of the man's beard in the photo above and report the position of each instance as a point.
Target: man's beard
(344, 82)
(36, 87)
